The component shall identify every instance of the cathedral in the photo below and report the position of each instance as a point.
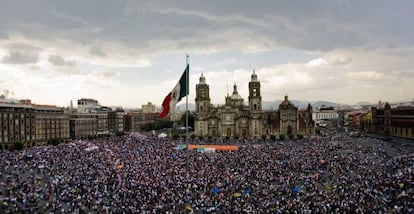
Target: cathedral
(235, 119)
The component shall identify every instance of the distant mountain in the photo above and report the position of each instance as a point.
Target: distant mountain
(181, 107)
(301, 104)
(318, 104)
(274, 105)
(364, 103)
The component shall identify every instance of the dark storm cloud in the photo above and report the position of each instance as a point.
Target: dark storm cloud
(309, 25)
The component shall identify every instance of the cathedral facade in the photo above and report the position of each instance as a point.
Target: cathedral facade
(235, 119)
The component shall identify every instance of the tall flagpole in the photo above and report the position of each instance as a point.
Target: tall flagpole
(186, 107)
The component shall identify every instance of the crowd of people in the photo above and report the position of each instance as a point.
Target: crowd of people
(139, 173)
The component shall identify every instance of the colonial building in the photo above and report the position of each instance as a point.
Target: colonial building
(148, 108)
(325, 113)
(116, 121)
(51, 123)
(85, 105)
(31, 124)
(83, 125)
(135, 120)
(17, 123)
(398, 122)
(234, 119)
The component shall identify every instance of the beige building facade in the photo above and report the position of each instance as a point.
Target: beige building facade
(83, 125)
(31, 124)
(148, 108)
(51, 123)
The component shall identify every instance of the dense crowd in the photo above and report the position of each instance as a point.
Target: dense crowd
(139, 173)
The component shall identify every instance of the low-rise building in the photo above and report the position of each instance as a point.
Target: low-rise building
(325, 113)
(135, 120)
(31, 124)
(83, 125)
(51, 123)
(148, 108)
(397, 122)
(116, 121)
(17, 123)
(85, 105)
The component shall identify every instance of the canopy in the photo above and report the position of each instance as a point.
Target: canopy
(237, 194)
(162, 135)
(215, 147)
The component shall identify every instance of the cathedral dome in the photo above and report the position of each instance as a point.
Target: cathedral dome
(235, 95)
(286, 104)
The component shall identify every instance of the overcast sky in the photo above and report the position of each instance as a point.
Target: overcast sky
(128, 53)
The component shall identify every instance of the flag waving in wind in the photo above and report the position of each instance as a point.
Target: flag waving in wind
(179, 91)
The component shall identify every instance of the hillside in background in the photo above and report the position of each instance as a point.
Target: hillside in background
(273, 105)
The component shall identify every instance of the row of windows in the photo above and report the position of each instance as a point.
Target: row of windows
(402, 131)
(11, 115)
(326, 116)
(16, 138)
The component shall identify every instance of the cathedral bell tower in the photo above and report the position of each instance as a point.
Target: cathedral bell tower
(202, 99)
(255, 99)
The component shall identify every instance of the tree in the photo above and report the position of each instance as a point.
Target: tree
(18, 145)
(273, 137)
(282, 137)
(175, 136)
(163, 124)
(150, 126)
(157, 125)
(54, 141)
(300, 137)
(191, 117)
(263, 137)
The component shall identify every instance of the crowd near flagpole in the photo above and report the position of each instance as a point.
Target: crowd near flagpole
(186, 108)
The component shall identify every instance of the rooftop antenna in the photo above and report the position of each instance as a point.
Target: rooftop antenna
(227, 87)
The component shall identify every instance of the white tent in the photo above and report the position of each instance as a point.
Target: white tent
(162, 135)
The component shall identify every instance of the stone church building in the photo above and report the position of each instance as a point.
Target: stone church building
(234, 119)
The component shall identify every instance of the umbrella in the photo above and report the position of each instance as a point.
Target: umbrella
(216, 190)
(296, 189)
(188, 207)
(237, 194)
(245, 191)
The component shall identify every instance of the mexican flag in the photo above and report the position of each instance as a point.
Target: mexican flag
(179, 91)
